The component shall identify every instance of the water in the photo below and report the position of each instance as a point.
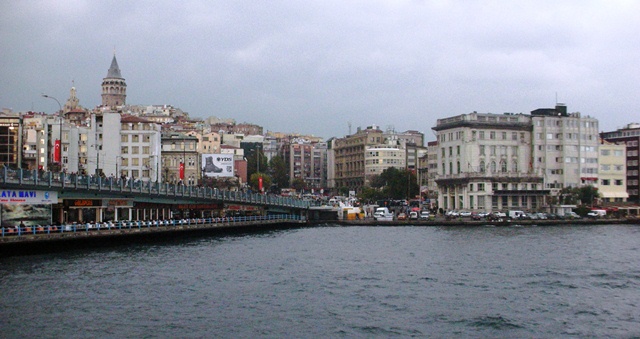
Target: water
(368, 282)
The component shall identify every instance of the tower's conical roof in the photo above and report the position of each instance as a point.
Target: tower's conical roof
(114, 70)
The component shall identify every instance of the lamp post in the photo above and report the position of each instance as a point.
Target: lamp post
(60, 117)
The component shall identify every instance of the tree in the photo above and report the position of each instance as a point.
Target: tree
(398, 183)
(298, 184)
(257, 162)
(588, 194)
(254, 181)
(278, 171)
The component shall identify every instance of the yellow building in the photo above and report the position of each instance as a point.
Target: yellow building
(613, 173)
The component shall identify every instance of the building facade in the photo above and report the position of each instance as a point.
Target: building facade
(483, 163)
(612, 174)
(630, 136)
(565, 148)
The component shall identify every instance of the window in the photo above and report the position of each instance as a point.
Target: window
(514, 166)
(450, 151)
(124, 138)
(503, 166)
(482, 150)
(493, 167)
(605, 152)
(605, 182)
(135, 138)
(124, 150)
(618, 182)
(493, 150)
(504, 135)
(481, 187)
(514, 135)
(135, 150)
(492, 135)
(605, 167)
(482, 166)
(481, 135)
(458, 150)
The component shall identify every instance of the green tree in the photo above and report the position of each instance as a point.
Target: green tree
(254, 181)
(299, 185)
(257, 162)
(588, 194)
(399, 183)
(278, 171)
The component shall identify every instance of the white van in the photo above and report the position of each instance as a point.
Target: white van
(516, 214)
(597, 213)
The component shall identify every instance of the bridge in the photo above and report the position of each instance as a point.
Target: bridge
(27, 197)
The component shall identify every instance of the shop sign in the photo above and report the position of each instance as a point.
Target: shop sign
(83, 202)
(28, 197)
(118, 202)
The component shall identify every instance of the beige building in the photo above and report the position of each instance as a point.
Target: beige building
(349, 157)
(180, 148)
(613, 173)
(483, 163)
(379, 158)
(565, 148)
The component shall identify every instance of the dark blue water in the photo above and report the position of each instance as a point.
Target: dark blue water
(371, 282)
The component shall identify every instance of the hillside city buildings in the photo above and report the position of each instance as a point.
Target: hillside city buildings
(478, 162)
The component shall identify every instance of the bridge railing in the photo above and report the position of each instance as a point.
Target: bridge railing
(47, 180)
(169, 223)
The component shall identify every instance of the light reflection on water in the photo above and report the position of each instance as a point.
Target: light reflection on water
(336, 282)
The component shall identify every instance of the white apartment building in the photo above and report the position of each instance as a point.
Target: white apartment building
(483, 163)
(565, 148)
(140, 154)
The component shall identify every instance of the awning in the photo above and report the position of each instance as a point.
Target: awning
(615, 194)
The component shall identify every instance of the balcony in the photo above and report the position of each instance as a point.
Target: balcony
(466, 177)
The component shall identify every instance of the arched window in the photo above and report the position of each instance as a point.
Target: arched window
(514, 166)
(458, 167)
(503, 166)
(493, 167)
(482, 166)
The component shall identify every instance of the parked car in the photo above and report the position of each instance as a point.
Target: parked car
(413, 215)
(465, 213)
(402, 216)
(424, 215)
(475, 216)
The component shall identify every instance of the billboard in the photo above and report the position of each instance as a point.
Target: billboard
(217, 165)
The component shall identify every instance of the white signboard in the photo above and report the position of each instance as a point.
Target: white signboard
(217, 165)
(28, 197)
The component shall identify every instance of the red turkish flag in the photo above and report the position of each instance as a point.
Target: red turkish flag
(182, 171)
(57, 152)
(260, 184)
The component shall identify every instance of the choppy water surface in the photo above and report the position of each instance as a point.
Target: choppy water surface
(510, 282)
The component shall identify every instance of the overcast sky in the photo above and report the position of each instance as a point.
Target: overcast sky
(315, 67)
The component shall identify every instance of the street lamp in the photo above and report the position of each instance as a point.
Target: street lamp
(60, 139)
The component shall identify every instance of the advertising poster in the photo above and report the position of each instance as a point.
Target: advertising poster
(217, 165)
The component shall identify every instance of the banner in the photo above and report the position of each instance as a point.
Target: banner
(20, 197)
(182, 171)
(217, 165)
(57, 151)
